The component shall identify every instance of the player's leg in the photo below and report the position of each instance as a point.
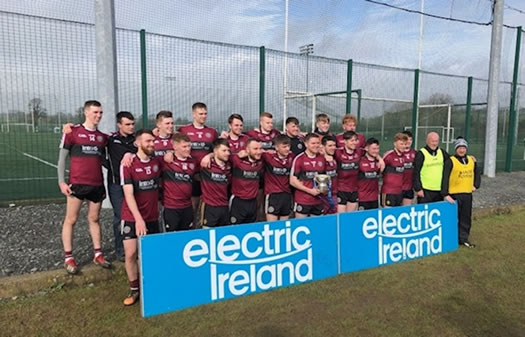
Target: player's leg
(73, 206)
(341, 202)
(351, 201)
(301, 211)
(116, 197)
(96, 235)
(408, 197)
(130, 251)
(269, 209)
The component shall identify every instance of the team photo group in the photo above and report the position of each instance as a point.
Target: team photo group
(168, 179)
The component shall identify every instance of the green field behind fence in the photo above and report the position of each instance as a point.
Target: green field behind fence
(39, 91)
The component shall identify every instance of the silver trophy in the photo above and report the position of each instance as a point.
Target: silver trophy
(322, 182)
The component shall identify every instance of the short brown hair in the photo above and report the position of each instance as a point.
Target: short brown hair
(322, 118)
(198, 105)
(310, 136)
(234, 116)
(281, 139)
(163, 114)
(179, 137)
(400, 136)
(266, 114)
(349, 118)
(92, 102)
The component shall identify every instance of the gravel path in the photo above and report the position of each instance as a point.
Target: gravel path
(30, 235)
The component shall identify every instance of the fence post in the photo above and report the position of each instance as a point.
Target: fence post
(143, 78)
(359, 95)
(468, 111)
(415, 107)
(511, 136)
(349, 86)
(262, 69)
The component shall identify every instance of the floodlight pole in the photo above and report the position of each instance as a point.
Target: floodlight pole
(491, 138)
(285, 85)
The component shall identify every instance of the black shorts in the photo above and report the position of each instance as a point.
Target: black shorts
(178, 219)
(279, 204)
(127, 229)
(309, 209)
(408, 194)
(214, 216)
(391, 200)
(345, 197)
(196, 188)
(92, 193)
(368, 205)
(242, 211)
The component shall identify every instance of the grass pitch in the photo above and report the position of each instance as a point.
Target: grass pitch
(470, 292)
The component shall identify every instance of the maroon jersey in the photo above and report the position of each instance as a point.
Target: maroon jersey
(162, 145)
(245, 177)
(201, 139)
(331, 170)
(368, 183)
(177, 179)
(266, 139)
(409, 156)
(238, 144)
(145, 177)
(214, 183)
(305, 168)
(347, 169)
(393, 173)
(277, 173)
(341, 141)
(87, 148)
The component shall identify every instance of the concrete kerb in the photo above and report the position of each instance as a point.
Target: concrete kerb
(22, 285)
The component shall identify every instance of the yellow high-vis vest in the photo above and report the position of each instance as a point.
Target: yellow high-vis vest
(461, 176)
(432, 170)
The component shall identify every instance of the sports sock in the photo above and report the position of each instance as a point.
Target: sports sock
(134, 285)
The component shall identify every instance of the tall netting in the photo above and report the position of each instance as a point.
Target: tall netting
(386, 101)
(183, 71)
(47, 71)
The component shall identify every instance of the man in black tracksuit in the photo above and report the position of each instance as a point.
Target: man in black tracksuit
(119, 143)
(461, 177)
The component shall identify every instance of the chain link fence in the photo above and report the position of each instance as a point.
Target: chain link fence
(48, 69)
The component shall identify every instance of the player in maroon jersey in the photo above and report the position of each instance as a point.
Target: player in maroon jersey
(246, 174)
(201, 137)
(322, 125)
(392, 189)
(177, 179)
(277, 166)
(86, 147)
(347, 170)
(370, 167)
(164, 122)
(235, 137)
(265, 133)
(330, 200)
(215, 180)
(304, 169)
(140, 210)
(410, 155)
(350, 124)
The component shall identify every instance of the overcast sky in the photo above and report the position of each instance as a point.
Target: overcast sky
(344, 29)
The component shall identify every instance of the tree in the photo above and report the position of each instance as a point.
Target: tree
(438, 98)
(37, 110)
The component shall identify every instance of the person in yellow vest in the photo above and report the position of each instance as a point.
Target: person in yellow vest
(428, 170)
(461, 177)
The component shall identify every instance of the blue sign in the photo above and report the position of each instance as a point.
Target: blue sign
(184, 269)
(380, 237)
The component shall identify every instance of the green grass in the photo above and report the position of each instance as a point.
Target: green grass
(470, 292)
(16, 168)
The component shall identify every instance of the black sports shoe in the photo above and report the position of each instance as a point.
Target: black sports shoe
(467, 244)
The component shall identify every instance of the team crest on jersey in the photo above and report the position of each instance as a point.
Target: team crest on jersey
(91, 138)
(299, 146)
(148, 169)
(100, 138)
(155, 168)
(319, 163)
(208, 135)
(191, 166)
